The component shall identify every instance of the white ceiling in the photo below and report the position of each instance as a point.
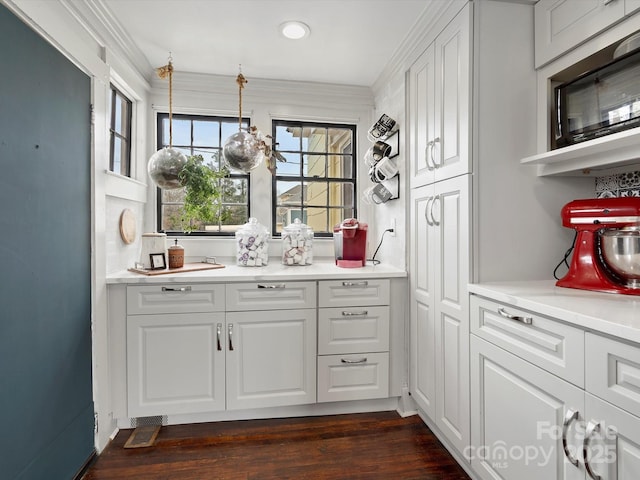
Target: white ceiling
(350, 41)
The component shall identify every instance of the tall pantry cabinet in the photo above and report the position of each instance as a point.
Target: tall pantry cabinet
(471, 107)
(439, 93)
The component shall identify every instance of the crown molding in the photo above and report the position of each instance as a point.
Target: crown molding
(261, 90)
(98, 20)
(417, 40)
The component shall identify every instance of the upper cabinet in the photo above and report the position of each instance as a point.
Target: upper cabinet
(439, 86)
(574, 37)
(563, 24)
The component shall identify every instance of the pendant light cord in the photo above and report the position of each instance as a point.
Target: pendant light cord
(163, 72)
(240, 80)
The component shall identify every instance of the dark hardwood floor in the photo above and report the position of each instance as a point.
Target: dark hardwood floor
(369, 446)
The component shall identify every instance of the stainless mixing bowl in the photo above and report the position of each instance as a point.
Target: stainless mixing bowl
(621, 253)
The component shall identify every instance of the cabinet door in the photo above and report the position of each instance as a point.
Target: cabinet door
(422, 109)
(563, 24)
(612, 445)
(422, 342)
(452, 98)
(271, 358)
(450, 219)
(175, 364)
(520, 414)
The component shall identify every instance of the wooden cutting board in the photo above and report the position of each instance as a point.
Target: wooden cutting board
(188, 267)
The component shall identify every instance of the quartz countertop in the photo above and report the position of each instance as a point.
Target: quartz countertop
(275, 271)
(613, 314)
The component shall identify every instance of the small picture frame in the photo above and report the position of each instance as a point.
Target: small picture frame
(157, 261)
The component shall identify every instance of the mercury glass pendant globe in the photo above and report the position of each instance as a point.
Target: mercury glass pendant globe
(242, 152)
(165, 166)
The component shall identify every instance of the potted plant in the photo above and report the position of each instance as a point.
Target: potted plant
(203, 193)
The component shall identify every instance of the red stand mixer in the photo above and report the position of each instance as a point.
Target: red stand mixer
(607, 247)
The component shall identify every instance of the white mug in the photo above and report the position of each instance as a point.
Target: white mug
(384, 170)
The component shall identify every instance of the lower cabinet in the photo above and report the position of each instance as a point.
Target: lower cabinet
(522, 418)
(549, 400)
(271, 358)
(175, 364)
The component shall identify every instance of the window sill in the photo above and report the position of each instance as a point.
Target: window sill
(127, 188)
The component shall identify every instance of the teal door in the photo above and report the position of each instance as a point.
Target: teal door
(46, 406)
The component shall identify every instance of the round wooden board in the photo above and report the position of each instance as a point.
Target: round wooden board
(127, 226)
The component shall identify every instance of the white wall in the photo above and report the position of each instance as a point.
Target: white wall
(262, 100)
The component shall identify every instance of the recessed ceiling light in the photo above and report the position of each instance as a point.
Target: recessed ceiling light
(295, 30)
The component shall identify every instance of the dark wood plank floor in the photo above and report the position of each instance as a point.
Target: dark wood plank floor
(369, 446)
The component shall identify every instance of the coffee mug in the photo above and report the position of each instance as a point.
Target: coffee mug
(377, 152)
(376, 194)
(381, 128)
(383, 170)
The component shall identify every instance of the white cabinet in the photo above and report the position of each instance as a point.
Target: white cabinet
(528, 421)
(439, 365)
(563, 24)
(522, 419)
(439, 105)
(353, 340)
(185, 354)
(271, 358)
(175, 361)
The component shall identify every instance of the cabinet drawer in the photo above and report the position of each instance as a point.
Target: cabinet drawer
(613, 371)
(345, 293)
(174, 298)
(353, 330)
(270, 296)
(353, 377)
(547, 343)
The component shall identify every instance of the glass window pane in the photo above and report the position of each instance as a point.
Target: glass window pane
(172, 196)
(315, 166)
(317, 140)
(288, 138)
(317, 219)
(235, 216)
(181, 132)
(171, 217)
(291, 167)
(116, 155)
(289, 193)
(234, 190)
(206, 134)
(117, 114)
(317, 193)
(124, 157)
(340, 166)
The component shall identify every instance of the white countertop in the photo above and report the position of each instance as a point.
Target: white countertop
(612, 314)
(275, 271)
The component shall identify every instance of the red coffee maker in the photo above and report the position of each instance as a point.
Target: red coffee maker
(595, 220)
(350, 242)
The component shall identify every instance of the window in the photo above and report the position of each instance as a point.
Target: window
(203, 135)
(120, 129)
(317, 182)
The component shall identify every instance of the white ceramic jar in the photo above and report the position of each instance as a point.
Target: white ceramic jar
(152, 243)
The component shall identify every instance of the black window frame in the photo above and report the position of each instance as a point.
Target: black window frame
(275, 123)
(160, 116)
(123, 136)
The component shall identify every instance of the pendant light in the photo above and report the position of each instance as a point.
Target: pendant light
(165, 165)
(243, 151)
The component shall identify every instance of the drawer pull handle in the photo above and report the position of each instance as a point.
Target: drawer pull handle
(355, 284)
(351, 362)
(592, 427)
(355, 314)
(568, 418)
(272, 285)
(230, 332)
(218, 337)
(517, 318)
(176, 289)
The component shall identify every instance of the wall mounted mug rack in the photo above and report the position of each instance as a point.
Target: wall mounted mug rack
(383, 168)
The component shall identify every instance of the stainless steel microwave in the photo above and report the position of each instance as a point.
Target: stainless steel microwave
(600, 102)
